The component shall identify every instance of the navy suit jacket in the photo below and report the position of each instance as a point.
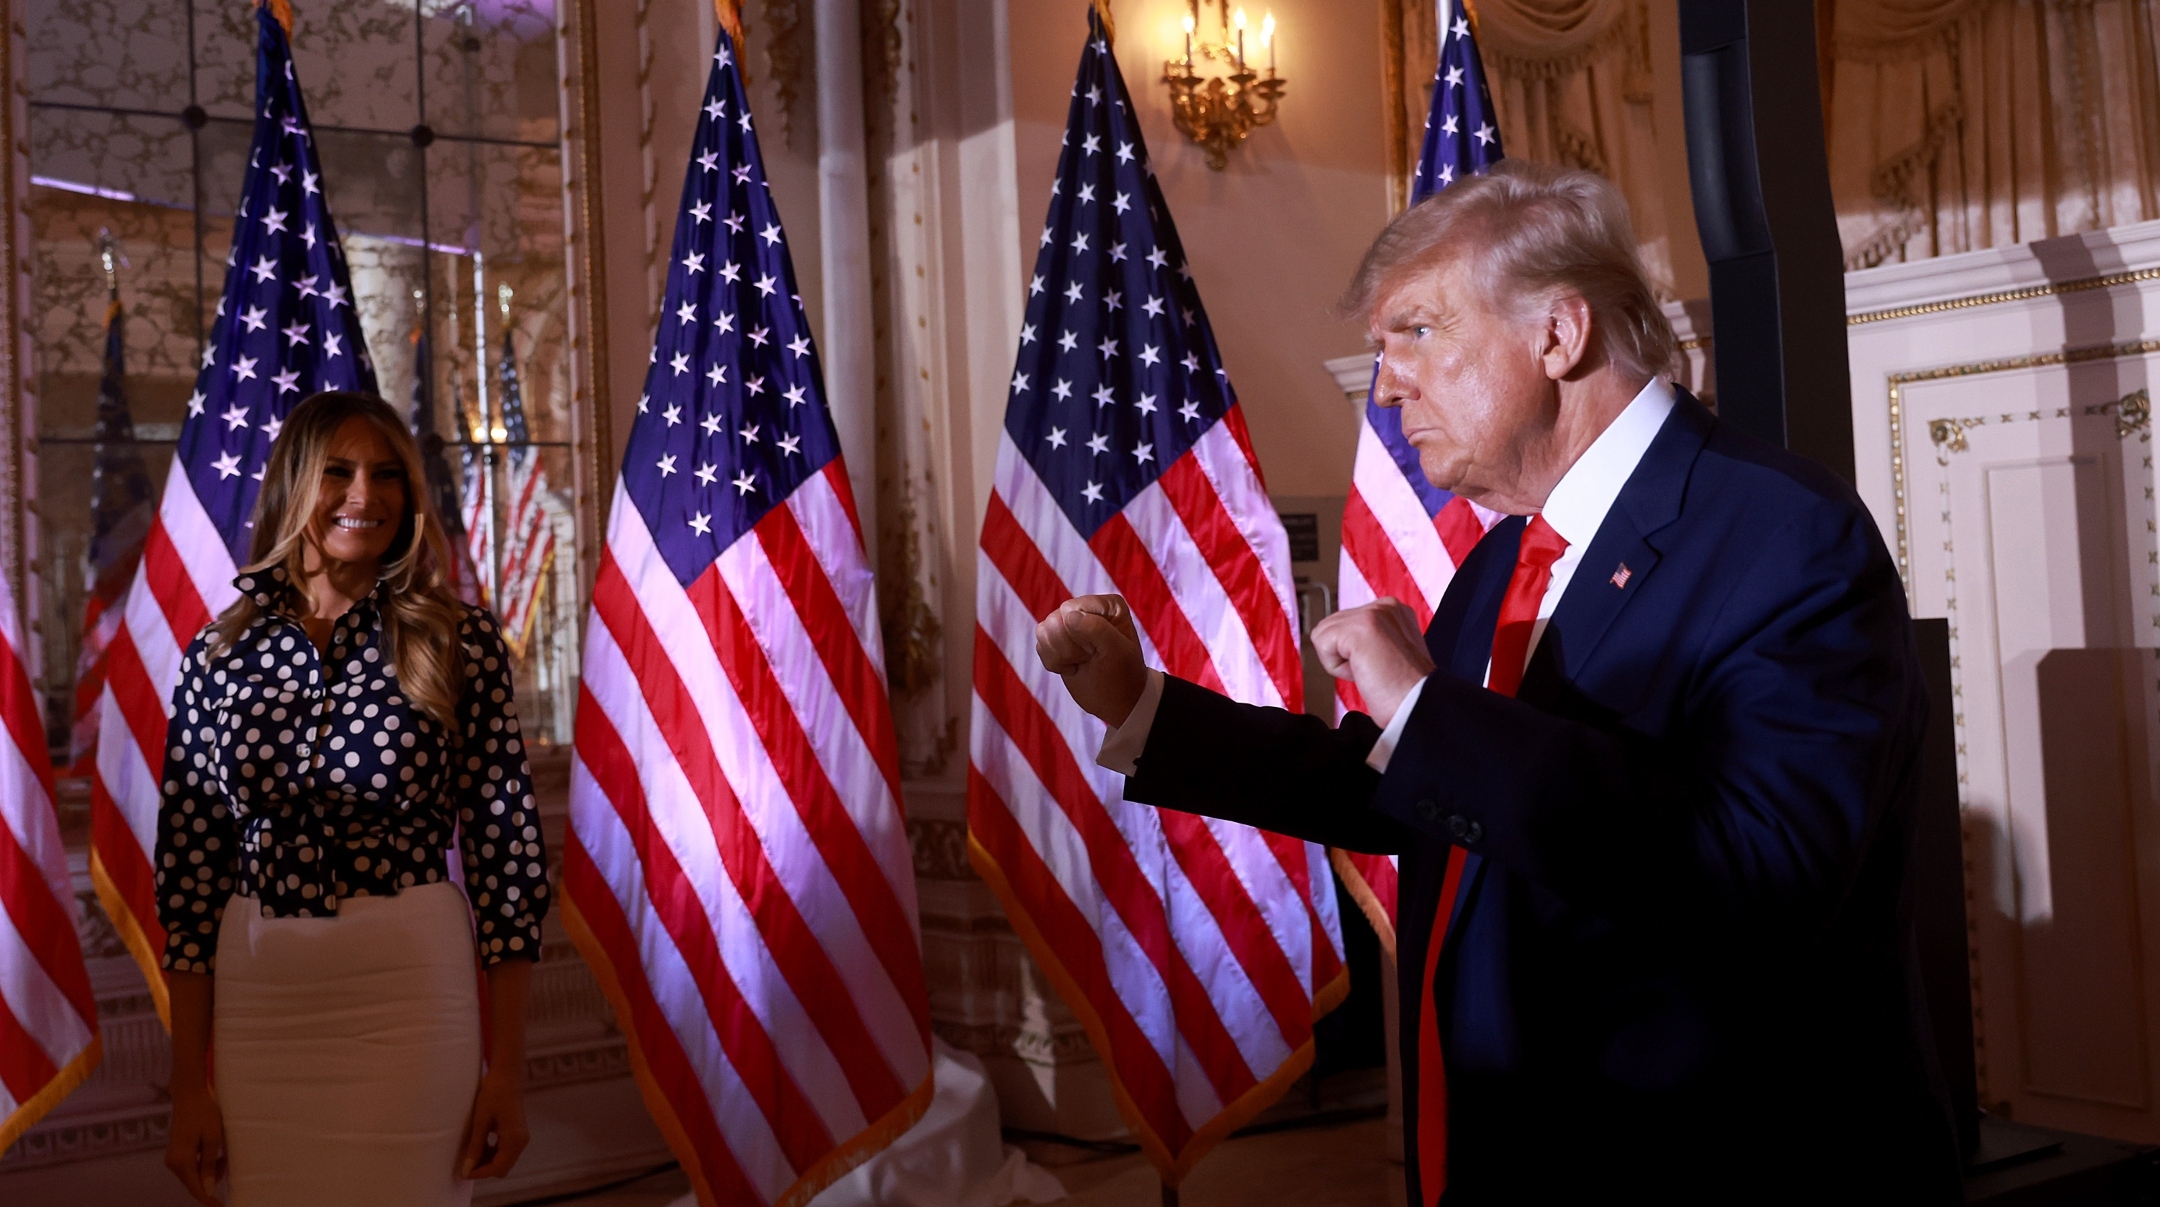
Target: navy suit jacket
(1681, 958)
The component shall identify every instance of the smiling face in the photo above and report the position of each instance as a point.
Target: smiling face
(1475, 385)
(361, 501)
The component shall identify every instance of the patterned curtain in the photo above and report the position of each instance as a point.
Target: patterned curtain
(913, 567)
(1571, 79)
(1953, 124)
(1962, 124)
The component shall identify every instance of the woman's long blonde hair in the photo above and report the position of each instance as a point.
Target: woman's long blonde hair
(420, 618)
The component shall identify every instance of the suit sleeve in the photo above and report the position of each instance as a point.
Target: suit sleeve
(1795, 732)
(1266, 767)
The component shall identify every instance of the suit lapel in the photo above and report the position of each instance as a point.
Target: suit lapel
(1622, 555)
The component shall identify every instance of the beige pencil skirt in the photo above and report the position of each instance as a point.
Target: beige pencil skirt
(348, 1051)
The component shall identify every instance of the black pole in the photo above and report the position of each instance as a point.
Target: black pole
(1760, 174)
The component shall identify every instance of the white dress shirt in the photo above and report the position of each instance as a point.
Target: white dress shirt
(1576, 510)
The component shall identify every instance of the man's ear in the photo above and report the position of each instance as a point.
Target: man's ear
(1567, 334)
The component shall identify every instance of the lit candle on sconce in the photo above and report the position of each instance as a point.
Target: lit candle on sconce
(1218, 109)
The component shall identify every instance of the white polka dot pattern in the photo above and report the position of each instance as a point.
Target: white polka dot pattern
(302, 778)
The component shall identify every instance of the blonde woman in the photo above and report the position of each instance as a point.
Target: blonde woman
(331, 732)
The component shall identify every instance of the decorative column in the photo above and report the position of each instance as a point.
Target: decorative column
(846, 343)
(18, 400)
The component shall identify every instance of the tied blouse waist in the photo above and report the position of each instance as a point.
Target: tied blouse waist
(302, 777)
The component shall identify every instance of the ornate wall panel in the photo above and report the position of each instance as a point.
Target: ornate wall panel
(2004, 402)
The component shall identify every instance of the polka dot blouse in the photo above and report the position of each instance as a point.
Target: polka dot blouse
(302, 778)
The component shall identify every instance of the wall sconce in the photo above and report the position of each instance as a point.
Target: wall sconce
(1219, 111)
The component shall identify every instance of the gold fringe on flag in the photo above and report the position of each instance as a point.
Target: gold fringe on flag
(1109, 26)
(282, 10)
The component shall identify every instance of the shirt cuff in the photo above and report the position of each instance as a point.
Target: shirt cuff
(1384, 749)
(1121, 748)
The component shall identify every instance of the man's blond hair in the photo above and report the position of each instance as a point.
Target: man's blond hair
(1528, 230)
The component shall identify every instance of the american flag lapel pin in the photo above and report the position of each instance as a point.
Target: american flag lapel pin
(1620, 576)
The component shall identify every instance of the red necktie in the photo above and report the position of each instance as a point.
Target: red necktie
(1541, 547)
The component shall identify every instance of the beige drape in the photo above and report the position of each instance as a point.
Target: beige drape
(1953, 124)
(1571, 80)
(1962, 124)
(911, 426)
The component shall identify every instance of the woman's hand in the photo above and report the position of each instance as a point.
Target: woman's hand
(195, 1149)
(497, 1132)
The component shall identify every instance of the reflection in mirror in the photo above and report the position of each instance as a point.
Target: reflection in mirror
(440, 144)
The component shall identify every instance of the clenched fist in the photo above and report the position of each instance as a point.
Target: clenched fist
(1378, 647)
(1090, 642)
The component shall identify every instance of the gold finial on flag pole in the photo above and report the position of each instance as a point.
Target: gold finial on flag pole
(730, 14)
(1109, 25)
(282, 10)
(110, 255)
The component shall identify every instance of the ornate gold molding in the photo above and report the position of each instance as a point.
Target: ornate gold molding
(1948, 434)
(1392, 91)
(2133, 413)
(1941, 431)
(2027, 293)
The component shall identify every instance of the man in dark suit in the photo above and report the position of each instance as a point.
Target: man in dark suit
(1650, 770)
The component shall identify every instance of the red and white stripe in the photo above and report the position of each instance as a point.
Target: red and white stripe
(185, 580)
(1196, 952)
(48, 1020)
(737, 866)
(1392, 546)
(528, 552)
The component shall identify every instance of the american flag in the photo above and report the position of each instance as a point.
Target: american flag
(737, 868)
(122, 506)
(1197, 953)
(441, 484)
(1403, 536)
(476, 490)
(48, 1019)
(529, 542)
(285, 328)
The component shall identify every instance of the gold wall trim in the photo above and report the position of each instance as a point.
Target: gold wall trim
(1898, 382)
(2005, 295)
(1393, 92)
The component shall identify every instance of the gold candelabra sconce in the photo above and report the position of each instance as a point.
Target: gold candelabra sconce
(1220, 110)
